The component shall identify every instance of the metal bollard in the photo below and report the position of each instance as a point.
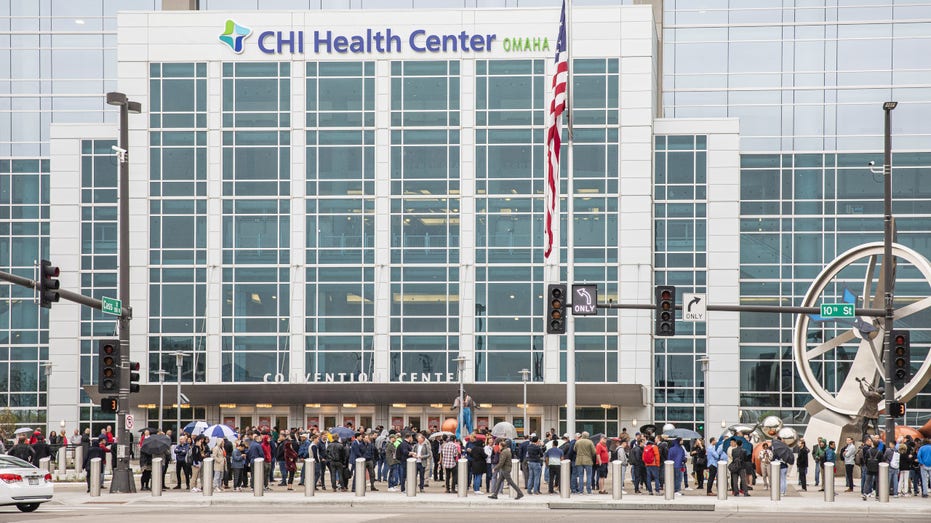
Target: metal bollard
(515, 477)
(462, 478)
(62, 461)
(617, 480)
(722, 480)
(411, 486)
(775, 489)
(157, 476)
(565, 467)
(206, 476)
(882, 489)
(828, 481)
(258, 477)
(45, 465)
(360, 477)
(669, 480)
(95, 477)
(78, 459)
(310, 477)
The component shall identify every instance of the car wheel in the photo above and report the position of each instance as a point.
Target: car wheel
(27, 507)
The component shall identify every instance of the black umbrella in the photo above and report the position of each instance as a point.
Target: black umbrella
(156, 445)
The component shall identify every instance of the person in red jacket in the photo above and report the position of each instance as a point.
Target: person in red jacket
(651, 458)
(267, 451)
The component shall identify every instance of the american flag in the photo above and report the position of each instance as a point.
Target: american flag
(553, 139)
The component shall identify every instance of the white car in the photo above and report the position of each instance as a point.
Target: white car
(23, 484)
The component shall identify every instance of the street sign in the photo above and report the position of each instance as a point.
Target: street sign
(129, 422)
(585, 300)
(693, 307)
(111, 306)
(837, 310)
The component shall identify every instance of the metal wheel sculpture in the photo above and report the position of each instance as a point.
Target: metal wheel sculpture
(866, 331)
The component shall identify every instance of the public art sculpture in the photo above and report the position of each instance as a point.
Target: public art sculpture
(847, 405)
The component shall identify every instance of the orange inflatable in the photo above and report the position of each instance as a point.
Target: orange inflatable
(756, 457)
(901, 431)
(926, 429)
(450, 425)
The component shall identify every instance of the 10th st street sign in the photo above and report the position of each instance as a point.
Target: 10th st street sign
(838, 310)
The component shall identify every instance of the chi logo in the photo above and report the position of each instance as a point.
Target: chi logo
(234, 35)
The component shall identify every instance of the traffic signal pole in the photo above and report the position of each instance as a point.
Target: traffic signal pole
(123, 480)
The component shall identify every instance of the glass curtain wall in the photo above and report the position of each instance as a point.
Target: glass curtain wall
(680, 201)
(177, 220)
(340, 218)
(256, 220)
(424, 218)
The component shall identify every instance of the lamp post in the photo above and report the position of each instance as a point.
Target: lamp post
(460, 363)
(705, 365)
(524, 376)
(179, 360)
(888, 282)
(161, 395)
(123, 480)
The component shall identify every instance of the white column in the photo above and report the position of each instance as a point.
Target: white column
(382, 220)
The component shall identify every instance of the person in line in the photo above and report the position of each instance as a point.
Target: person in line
(237, 463)
(97, 449)
(850, 453)
(923, 457)
(651, 459)
(534, 458)
(765, 457)
(737, 466)
(817, 454)
(714, 458)
(871, 459)
(586, 457)
(801, 463)
(622, 455)
(503, 472)
(219, 466)
(699, 462)
(422, 452)
(183, 462)
(553, 460)
(479, 466)
(677, 456)
(449, 457)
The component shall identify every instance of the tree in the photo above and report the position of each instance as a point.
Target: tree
(8, 420)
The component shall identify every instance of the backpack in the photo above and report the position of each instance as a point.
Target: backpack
(872, 461)
(858, 457)
(649, 455)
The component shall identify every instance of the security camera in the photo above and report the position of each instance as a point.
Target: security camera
(872, 163)
(119, 150)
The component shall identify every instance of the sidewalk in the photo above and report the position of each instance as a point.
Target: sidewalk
(73, 494)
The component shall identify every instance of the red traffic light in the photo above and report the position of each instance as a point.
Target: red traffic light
(900, 340)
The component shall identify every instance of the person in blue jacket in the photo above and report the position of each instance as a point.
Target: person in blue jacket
(677, 456)
(713, 455)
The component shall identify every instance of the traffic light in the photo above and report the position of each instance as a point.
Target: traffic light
(134, 376)
(896, 409)
(109, 404)
(556, 308)
(108, 364)
(48, 284)
(901, 358)
(665, 310)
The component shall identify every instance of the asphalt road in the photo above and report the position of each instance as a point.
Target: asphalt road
(249, 514)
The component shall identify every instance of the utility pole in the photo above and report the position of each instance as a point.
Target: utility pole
(888, 281)
(123, 480)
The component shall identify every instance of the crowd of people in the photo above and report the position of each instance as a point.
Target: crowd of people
(489, 460)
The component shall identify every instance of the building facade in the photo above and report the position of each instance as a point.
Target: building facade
(326, 217)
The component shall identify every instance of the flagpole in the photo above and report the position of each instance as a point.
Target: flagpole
(570, 233)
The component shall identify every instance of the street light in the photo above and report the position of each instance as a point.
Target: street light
(460, 363)
(524, 377)
(179, 360)
(705, 366)
(888, 281)
(123, 480)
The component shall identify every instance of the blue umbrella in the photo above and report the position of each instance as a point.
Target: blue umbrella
(342, 432)
(195, 427)
(215, 432)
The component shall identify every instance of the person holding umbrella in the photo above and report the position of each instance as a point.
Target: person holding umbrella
(784, 454)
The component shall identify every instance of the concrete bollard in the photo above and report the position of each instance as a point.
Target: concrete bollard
(565, 471)
(882, 483)
(411, 482)
(62, 461)
(157, 476)
(775, 490)
(45, 465)
(515, 477)
(310, 477)
(617, 480)
(206, 476)
(108, 461)
(669, 480)
(258, 477)
(78, 459)
(360, 477)
(828, 481)
(722, 480)
(462, 478)
(95, 477)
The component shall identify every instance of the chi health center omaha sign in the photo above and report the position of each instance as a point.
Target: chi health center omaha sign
(385, 40)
